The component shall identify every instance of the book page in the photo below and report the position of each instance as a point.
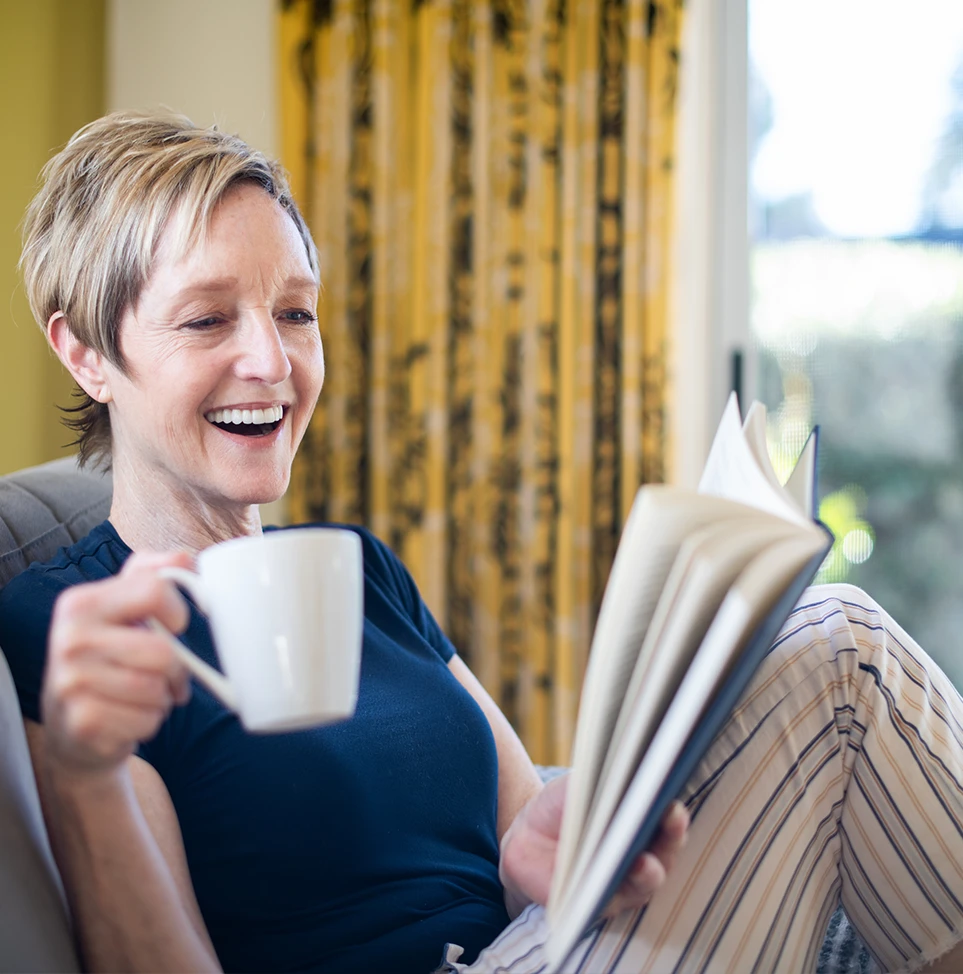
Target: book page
(747, 602)
(801, 485)
(754, 430)
(733, 471)
(707, 566)
(719, 561)
(659, 522)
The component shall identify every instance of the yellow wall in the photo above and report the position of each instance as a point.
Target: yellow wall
(51, 83)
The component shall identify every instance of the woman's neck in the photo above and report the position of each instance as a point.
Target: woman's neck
(150, 516)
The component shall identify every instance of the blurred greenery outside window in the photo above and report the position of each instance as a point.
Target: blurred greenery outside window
(856, 307)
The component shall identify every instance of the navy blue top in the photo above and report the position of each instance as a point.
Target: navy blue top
(363, 846)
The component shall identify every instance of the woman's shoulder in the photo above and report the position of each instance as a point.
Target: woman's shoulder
(27, 602)
(98, 555)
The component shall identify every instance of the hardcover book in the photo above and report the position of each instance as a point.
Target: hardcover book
(701, 584)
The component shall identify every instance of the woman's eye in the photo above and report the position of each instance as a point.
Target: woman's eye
(304, 317)
(201, 323)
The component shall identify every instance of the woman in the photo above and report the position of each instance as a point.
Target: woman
(176, 280)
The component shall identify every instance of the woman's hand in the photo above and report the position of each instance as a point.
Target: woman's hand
(110, 682)
(530, 845)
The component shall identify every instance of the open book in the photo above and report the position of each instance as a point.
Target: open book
(701, 584)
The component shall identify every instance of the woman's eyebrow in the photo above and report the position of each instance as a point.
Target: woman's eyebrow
(217, 284)
(301, 282)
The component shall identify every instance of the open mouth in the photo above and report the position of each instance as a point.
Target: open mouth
(247, 422)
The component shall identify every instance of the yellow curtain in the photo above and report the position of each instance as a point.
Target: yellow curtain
(490, 185)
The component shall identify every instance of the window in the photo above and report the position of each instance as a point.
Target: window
(856, 285)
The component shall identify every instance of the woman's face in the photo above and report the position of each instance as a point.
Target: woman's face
(225, 360)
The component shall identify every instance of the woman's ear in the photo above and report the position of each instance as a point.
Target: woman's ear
(84, 363)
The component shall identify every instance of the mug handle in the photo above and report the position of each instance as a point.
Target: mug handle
(216, 682)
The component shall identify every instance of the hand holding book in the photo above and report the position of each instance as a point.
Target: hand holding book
(530, 847)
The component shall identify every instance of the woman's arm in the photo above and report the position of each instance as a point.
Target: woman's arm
(119, 850)
(109, 684)
(530, 816)
(518, 781)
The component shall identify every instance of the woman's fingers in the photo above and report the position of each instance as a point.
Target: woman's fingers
(672, 834)
(137, 593)
(83, 615)
(645, 877)
(93, 735)
(130, 646)
(146, 679)
(530, 846)
(110, 681)
(649, 871)
(90, 628)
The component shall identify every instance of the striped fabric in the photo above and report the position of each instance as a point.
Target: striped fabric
(837, 780)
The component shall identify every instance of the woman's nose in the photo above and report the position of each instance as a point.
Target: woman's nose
(262, 356)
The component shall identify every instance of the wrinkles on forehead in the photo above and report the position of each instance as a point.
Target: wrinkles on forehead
(183, 230)
(186, 226)
(240, 261)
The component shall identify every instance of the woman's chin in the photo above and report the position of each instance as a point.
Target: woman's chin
(264, 491)
(264, 499)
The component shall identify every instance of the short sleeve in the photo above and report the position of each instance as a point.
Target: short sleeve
(384, 569)
(26, 608)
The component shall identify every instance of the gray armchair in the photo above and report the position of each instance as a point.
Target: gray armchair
(41, 510)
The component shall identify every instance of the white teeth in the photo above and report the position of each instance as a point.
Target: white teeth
(272, 414)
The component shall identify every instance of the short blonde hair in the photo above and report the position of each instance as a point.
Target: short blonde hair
(92, 231)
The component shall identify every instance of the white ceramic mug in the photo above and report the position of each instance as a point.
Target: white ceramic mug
(286, 610)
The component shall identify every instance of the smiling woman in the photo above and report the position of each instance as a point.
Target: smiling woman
(224, 326)
(171, 177)
(175, 279)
